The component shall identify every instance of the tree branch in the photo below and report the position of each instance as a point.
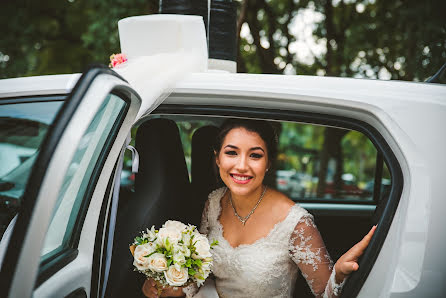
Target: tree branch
(266, 59)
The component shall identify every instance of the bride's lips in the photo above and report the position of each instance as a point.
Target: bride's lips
(241, 179)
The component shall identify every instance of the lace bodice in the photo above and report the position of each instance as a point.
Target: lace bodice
(267, 267)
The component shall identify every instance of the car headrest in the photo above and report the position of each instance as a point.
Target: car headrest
(204, 172)
(162, 174)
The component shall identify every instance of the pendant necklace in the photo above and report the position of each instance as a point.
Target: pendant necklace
(244, 219)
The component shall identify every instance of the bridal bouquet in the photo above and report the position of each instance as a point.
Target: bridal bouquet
(175, 255)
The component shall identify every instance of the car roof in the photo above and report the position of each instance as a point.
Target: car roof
(363, 90)
(239, 84)
(38, 85)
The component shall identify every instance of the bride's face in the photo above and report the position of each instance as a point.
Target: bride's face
(242, 161)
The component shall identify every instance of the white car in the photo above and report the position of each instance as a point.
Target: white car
(74, 225)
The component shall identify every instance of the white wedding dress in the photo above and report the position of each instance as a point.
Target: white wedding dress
(269, 266)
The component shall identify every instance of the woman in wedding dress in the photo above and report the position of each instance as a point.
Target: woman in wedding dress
(264, 237)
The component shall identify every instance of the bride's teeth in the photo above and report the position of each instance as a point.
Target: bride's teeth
(241, 178)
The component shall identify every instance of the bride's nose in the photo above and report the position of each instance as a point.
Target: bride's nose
(242, 164)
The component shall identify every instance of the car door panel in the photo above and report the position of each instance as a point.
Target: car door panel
(21, 264)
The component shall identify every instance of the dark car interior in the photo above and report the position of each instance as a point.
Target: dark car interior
(163, 190)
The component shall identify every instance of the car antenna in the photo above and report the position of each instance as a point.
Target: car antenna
(436, 77)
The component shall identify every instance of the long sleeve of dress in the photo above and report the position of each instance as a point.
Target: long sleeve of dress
(308, 251)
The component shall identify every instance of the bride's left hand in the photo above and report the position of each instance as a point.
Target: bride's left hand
(347, 263)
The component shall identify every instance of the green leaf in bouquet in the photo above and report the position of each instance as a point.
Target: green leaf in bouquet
(191, 271)
(214, 243)
(169, 262)
(150, 254)
(188, 263)
(198, 263)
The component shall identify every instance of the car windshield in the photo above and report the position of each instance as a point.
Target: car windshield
(23, 126)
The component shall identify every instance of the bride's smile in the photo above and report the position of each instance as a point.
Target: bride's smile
(242, 179)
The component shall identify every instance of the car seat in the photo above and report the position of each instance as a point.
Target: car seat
(162, 192)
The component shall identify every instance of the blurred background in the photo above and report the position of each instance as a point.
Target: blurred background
(377, 39)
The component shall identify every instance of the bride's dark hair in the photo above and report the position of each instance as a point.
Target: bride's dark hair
(263, 128)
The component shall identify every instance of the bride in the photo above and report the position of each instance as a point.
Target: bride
(264, 237)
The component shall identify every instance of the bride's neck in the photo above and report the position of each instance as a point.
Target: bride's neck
(246, 202)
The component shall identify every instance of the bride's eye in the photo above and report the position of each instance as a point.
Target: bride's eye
(256, 155)
(230, 152)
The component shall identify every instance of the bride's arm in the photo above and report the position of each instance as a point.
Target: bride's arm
(308, 251)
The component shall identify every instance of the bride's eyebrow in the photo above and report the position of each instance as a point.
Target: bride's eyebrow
(257, 148)
(231, 146)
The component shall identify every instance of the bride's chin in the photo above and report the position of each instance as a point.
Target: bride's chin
(242, 190)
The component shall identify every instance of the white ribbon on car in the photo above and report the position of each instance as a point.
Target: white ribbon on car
(161, 50)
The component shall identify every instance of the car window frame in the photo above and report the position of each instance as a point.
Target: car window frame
(366, 262)
(67, 254)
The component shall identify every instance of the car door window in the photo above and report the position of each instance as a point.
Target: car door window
(327, 164)
(23, 126)
(315, 163)
(80, 177)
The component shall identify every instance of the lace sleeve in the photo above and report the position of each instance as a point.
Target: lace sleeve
(308, 251)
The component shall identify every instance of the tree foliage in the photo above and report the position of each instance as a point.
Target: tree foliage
(62, 36)
(400, 39)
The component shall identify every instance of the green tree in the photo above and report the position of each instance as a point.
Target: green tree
(401, 39)
(398, 39)
(62, 36)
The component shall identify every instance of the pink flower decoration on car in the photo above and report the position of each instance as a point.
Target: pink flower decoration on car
(117, 59)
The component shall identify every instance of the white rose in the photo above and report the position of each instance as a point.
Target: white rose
(176, 225)
(176, 278)
(139, 255)
(168, 233)
(157, 262)
(202, 247)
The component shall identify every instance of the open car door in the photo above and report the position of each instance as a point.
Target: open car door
(51, 245)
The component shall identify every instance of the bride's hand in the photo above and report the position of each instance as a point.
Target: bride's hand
(347, 263)
(149, 290)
